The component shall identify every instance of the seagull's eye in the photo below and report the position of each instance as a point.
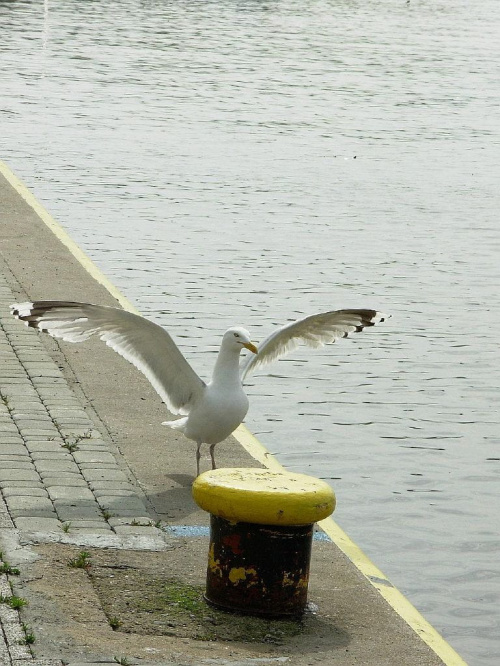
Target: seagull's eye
(236, 335)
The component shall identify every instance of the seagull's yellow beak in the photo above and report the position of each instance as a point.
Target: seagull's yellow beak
(251, 347)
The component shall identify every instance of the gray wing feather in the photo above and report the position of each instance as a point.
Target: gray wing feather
(145, 344)
(314, 331)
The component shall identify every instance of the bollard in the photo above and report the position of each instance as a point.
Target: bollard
(261, 531)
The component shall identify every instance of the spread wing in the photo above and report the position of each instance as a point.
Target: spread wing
(145, 344)
(314, 331)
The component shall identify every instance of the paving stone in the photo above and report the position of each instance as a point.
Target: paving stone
(18, 475)
(110, 485)
(76, 502)
(20, 463)
(25, 492)
(44, 445)
(28, 418)
(58, 392)
(4, 485)
(4, 653)
(15, 390)
(11, 375)
(90, 525)
(91, 445)
(94, 457)
(38, 524)
(94, 475)
(42, 370)
(91, 531)
(136, 529)
(72, 481)
(48, 378)
(56, 466)
(8, 615)
(29, 353)
(63, 454)
(8, 428)
(5, 522)
(32, 513)
(13, 379)
(5, 588)
(29, 503)
(18, 652)
(126, 513)
(12, 443)
(122, 504)
(42, 363)
(68, 493)
(25, 401)
(35, 436)
(69, 412)
(12, 451)
(115, 492)
(71, 425)
(93, 441)
(90, 466)
(36, 427)
(62, 474)
(144, 520)
(68, 513)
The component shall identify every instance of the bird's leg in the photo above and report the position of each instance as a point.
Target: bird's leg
(212, 447)
(198, 455)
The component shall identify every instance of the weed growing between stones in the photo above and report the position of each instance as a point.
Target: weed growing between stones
(114, 623)
(123, 661)
(5, 568)
(81, 561)
(13, 601)
(29, 636)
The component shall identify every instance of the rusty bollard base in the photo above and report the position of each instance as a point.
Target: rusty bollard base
(258, 569)
(261, 535)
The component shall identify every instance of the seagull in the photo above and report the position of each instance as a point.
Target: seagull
(208, 412)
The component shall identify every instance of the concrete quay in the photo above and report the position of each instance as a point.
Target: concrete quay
(86, 467)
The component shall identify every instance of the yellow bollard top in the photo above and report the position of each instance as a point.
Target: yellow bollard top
(261, 496)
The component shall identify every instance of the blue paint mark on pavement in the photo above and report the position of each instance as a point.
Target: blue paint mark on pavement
(204, 531)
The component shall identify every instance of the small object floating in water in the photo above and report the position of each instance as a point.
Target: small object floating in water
(209, 412)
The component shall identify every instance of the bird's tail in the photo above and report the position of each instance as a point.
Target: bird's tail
(178, 424)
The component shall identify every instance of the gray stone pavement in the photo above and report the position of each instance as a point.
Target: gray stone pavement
(59, 477)
(57, 473)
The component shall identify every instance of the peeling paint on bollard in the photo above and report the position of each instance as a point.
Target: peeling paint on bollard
(259, 569)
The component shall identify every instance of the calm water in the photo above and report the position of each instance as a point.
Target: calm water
(248, 162)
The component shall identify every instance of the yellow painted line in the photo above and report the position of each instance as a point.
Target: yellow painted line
(392, 595)
(251, 444)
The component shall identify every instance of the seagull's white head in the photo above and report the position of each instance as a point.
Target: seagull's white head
(236, 338)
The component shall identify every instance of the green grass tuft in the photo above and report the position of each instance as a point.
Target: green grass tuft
(82, 561)
(13, 601)
(5, 568)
